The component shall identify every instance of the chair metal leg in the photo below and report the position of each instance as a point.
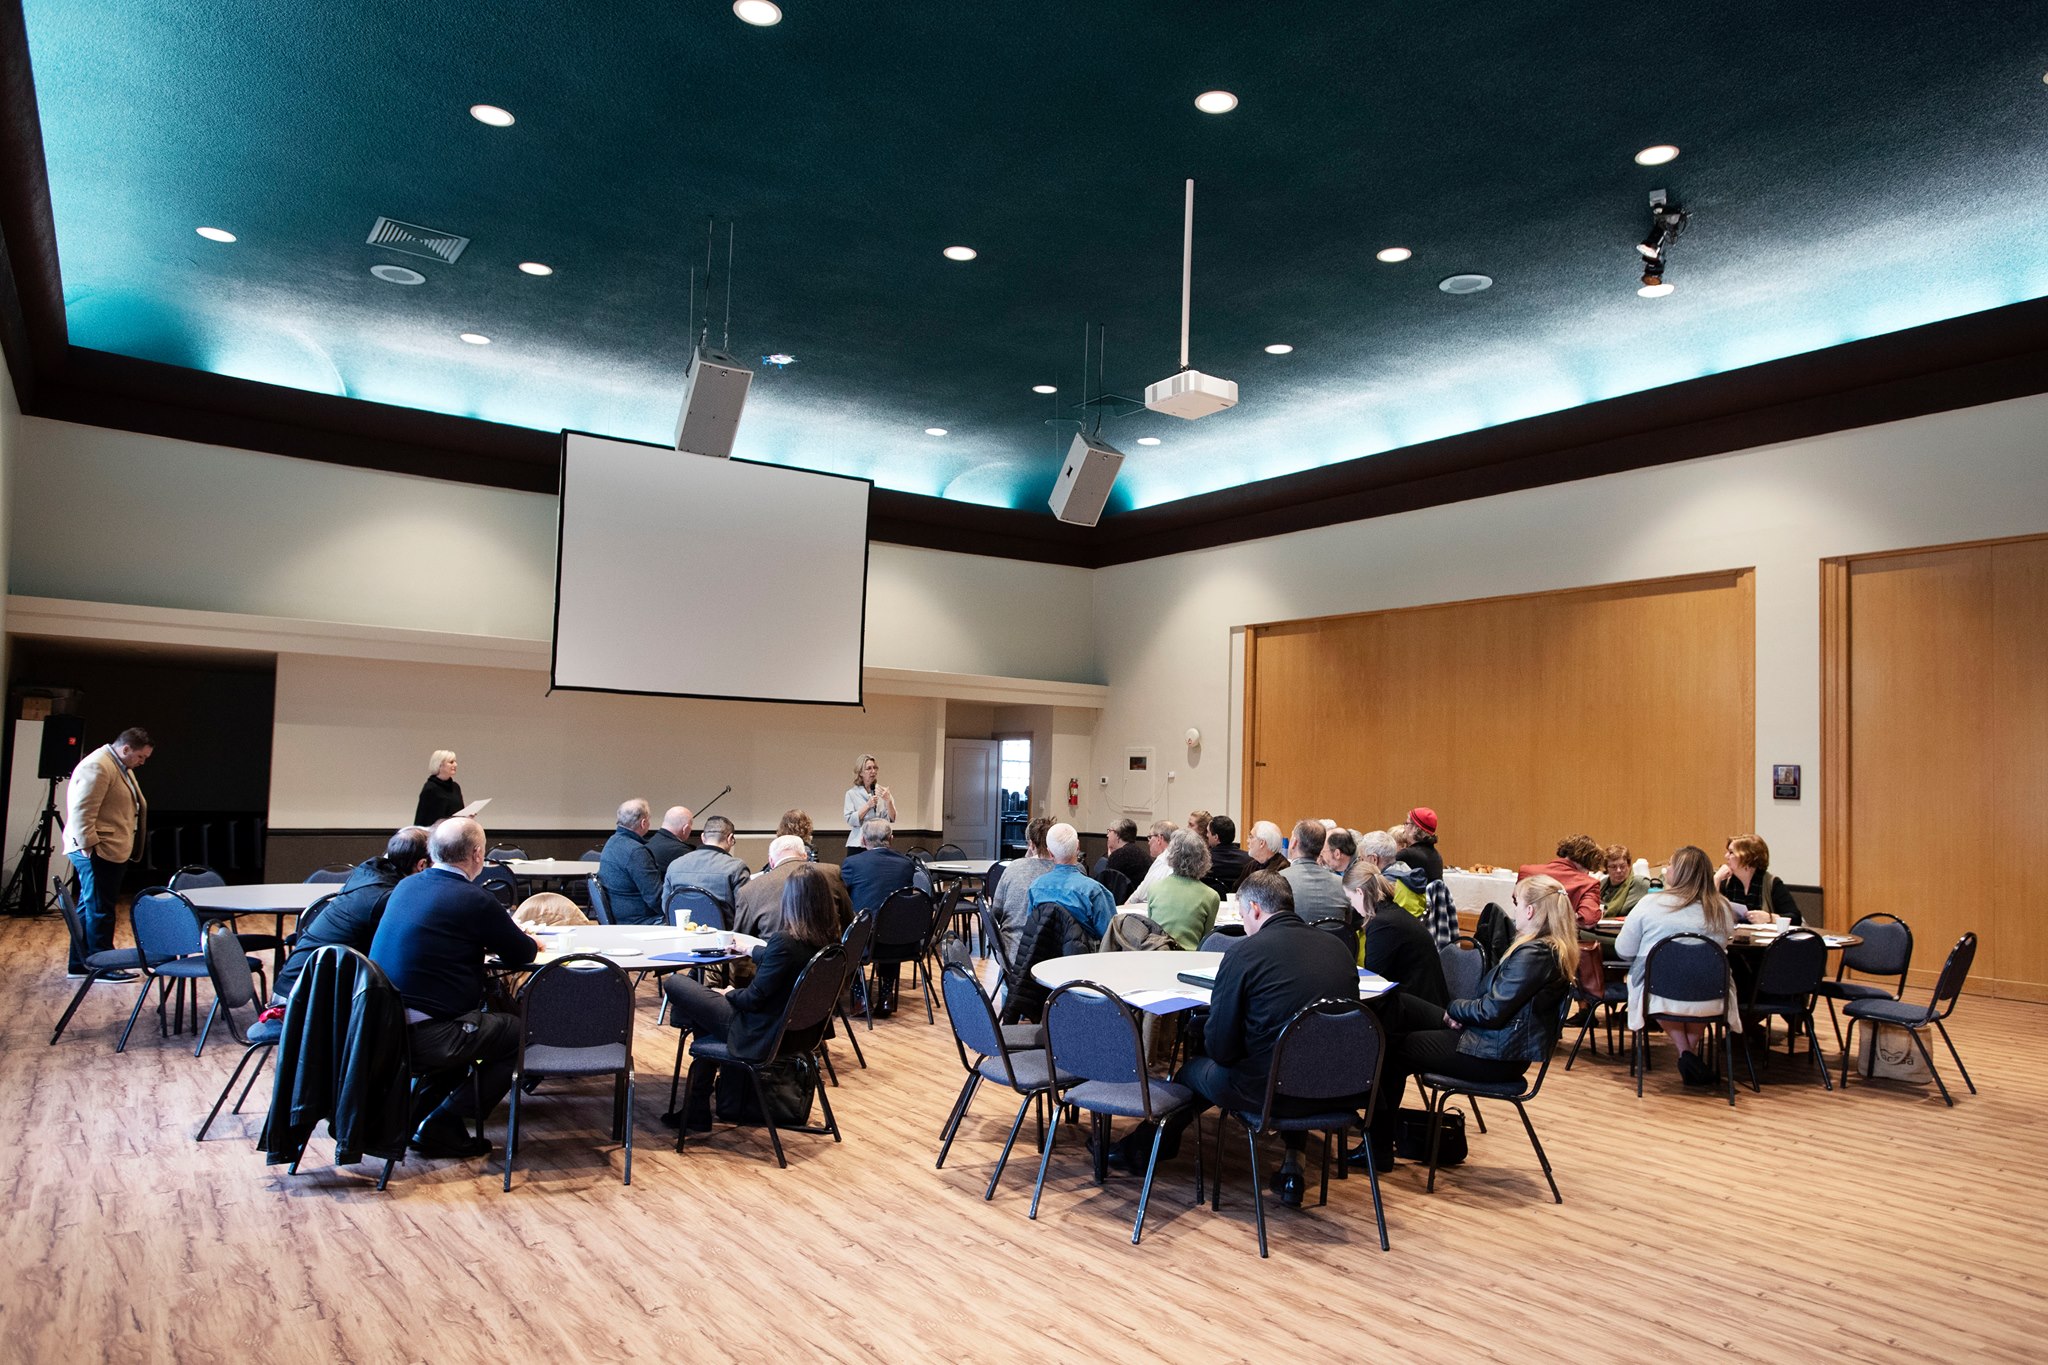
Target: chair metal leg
(1324, 1197)
(91, 979)
(1749, 1061)
(1637, 1049)
(1477, 1117)
(254, 1072)
(1008, 1143)
(825, 1106)
(1436, 1132)
(233, 1076)
(1101, 1160)
(1728, 1062)
(1851, 1033)
(767, 1116)
(825, 1054)
(200, 1046)
(382, 1180)
(1834, 1018)
(1928, 1057)
(1372, 1177)
(1813, 1050)
(626, 1124)
(512, 1131)
(1584, 1029)
(851, 1037)
(141, 999)
(1251, 1142)
(1216, 1181)
(1957, 1055)
(1145, 1191)
(959, 1112)
(1045, 1159)
(682, 1042)
(867, 994)
(1530, 1129)
(682, 1111)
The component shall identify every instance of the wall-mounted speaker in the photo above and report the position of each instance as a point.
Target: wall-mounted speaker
(1085, 480)
(714, 395)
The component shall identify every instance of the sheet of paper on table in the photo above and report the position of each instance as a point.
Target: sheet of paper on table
(1165, 1001)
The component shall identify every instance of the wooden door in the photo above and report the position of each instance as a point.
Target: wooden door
(972, 777)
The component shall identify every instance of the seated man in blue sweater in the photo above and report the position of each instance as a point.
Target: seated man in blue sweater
(1085, 898)
(438, 929)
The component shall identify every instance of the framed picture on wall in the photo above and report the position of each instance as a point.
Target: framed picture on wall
(1785, 781)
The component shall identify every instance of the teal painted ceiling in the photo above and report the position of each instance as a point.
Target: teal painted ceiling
(1852, 169)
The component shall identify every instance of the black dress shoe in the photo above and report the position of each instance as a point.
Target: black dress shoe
(1693, 1070)
(455, 1143)
(1382, 1157)
(699, 1123)
(1290, 1184)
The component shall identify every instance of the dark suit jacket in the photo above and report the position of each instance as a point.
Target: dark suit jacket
(1401, 950)
(759, 911)
(630, 878)
(1263, 982)
(873, 873)
(1227, 865)
(757, 1008)
(666, 848)
(1134, 861)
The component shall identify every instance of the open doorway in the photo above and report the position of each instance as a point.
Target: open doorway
(1014, 762)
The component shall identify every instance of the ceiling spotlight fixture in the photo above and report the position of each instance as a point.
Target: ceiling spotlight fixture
(935, 431)
(1465, 284)
(1215, 101)
(781, 360)
(1045, 388)
(492, 115)
(476, 338)
(535, 268)
(1279, 348)
(397, 274)
(215, 234)
(759, 13)
(1148, 440)
(1660, 155)
(959, 253)
(1654, 291)
(1394, 255)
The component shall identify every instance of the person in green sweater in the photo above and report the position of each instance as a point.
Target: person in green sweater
(1624, 888)
(1180, 903)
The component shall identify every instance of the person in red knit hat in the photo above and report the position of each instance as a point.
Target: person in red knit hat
(1422, 855)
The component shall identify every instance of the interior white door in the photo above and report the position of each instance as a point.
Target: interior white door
(972, 775)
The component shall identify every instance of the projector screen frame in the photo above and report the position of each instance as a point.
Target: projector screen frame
(859, 700)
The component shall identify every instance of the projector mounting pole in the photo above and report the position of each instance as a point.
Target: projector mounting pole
(1187, 270)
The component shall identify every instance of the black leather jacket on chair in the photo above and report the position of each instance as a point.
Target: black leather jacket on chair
(1515, 1015)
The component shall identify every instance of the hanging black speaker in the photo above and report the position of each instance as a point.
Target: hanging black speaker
(62, 738)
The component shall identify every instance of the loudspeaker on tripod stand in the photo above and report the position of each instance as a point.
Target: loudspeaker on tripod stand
(63, 736)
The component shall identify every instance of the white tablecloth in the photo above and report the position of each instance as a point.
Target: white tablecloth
(1470, 891)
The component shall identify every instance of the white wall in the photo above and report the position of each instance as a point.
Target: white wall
(353, 738)
(213, 529)
(1164, 627)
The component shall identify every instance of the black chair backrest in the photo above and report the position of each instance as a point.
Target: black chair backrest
(500, 882)
(1949, 985)
(1886, 950)
(234, 985)
(335, 874)
(811, 1002)
(1793, 966)
(1565, 1005)
(990, 880)
(165, 926)
(918, 854)
(1464, 964)
(1220, 942)
(600, 903)
(904, 918)
(74, 923)
(1329, 1050)
(1687, 967)
(1116, 883)
(953, 952)
(195, 876)
(312, 913)
(992, 936)
(695, 905)
(858, 938)
(950, 851)
(1091, 1033)
(974, 1020)
(582, 1000)
(505, 853)
(592, 855)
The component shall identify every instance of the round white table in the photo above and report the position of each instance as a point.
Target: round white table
(545, 868)
(276, 899)
(1471, 891)
(958, 867)
(639, 947)
(1128, 972)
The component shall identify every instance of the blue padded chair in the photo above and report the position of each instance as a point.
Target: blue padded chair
(695, 905)
(1915, 1019)
(1093, 1035)
(505, 853)
(168, 940)
(195, 877)
(1464, 964)
(1687, 969)
(576, 1019)
(1886, 950)
(334, 873)
(497, 879)
(803, 1022)
(112, 964)
(1793, 967)
(234, 987)
(1326, 1068)
(986, 1054)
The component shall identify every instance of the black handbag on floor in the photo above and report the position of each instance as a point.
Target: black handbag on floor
(1411, 1139)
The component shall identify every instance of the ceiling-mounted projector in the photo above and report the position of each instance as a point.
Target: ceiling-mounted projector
(714, 394)
(1190, 393)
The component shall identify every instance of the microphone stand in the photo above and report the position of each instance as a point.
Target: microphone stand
(698, 811)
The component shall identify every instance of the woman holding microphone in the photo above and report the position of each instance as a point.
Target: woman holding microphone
(866, 800)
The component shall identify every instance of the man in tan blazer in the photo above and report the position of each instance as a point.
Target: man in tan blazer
(105, 821)
(758, 910)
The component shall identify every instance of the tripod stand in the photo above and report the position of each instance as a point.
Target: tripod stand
(27, 891)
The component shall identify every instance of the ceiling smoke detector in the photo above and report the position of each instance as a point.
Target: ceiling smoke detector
(397, 274)
(1465, 284)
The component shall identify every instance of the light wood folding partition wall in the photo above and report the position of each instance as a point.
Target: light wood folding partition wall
(1623, 712)
(1936, 713)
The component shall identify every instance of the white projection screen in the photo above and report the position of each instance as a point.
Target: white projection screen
(682, 575)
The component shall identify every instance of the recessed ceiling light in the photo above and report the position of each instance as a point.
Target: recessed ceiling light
(780, 359)
(1044, 388)
(1215, 101)
(215, 234)
(959, 253)
(1394, 255)
(1654, 291)
(935, 431)
(1658, 155)
(535, 268)
(397, 274)
(759, 13)
(491, 114)
(1148, 440)
(476, 338)
(1279, 348)
(1465, 284)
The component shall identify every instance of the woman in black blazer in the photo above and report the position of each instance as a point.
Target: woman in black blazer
(745, 1018)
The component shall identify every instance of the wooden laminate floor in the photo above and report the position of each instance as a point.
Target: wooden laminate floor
(1799, 1226)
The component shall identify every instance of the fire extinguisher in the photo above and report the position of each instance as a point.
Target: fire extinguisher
(1073, 793)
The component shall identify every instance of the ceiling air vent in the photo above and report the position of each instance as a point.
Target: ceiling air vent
(415, 240)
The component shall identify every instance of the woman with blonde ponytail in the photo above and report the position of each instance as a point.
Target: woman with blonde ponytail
(1496, 1034)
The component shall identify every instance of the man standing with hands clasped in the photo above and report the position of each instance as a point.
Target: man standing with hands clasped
(105, 820)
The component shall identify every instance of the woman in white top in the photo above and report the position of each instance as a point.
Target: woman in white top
(866, 799)
(1689, 904)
